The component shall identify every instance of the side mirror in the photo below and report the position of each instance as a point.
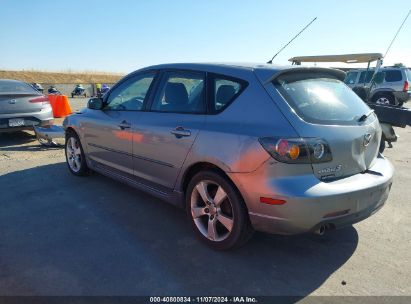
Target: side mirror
(379, 77)
(95, 103)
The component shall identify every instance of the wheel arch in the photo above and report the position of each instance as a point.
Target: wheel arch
(71, 130)
(202, 166)
(379, 92)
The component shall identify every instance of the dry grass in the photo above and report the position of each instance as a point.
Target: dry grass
(61, 77)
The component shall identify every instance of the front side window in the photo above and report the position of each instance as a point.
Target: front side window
(393, 76)
(130, 95)
(351, 77)
(320, 98)
(181, 92)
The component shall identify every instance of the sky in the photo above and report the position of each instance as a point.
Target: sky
(124, 35)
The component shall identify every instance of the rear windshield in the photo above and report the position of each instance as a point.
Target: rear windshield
(408, 72)
(15, 87)
(320, 98)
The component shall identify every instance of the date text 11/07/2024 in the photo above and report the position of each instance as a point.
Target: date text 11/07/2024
(203, 300)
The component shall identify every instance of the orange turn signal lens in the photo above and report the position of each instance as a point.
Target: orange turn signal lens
(271, 201)
(294, 152)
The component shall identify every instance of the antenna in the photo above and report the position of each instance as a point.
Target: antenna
(392, 41)
(271, 61)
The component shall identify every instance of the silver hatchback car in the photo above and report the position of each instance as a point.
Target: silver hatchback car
(241, 147)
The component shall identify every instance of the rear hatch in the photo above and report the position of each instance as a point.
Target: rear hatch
(320, 106)
(19, 103)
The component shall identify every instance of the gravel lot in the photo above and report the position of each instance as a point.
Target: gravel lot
(63, 235)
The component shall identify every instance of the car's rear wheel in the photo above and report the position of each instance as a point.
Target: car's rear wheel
(217, 211)
(75, 155)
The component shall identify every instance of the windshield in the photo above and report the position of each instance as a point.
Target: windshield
(320, 98)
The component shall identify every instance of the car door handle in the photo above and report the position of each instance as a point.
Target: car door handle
(124, 125)
(180, 132)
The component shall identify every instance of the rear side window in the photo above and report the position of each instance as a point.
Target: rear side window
(393, 76)
(224, 91)
(351, 77)
(320, 98)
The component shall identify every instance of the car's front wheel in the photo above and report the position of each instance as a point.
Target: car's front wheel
(75, 155)
(217, 211)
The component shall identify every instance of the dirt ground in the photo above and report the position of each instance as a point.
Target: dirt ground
(60, 77)
(64, 235)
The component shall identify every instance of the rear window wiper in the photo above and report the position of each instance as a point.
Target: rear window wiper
(365, 116)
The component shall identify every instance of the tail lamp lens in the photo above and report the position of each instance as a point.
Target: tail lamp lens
(287, 149)
(43, 99)
(406, 86)
(297, 150)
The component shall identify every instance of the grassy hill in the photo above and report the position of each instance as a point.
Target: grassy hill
(61, 77)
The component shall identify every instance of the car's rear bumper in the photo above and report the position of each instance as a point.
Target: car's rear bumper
(403, 96)
(311, 203)
(40, 118)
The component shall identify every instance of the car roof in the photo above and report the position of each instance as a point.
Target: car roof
(382, 68)
(264, 71)
(12, 80)
(247, 66)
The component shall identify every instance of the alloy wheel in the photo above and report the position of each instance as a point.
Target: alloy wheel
(212, 210)
(73, 152)
(383, 101)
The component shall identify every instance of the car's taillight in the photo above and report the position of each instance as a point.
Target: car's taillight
(406, 86)
(297, 150)
(43, 99)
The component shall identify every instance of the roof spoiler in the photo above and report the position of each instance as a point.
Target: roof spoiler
(340, 75)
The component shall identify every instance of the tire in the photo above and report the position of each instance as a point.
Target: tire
(222, 222)
(384, 99)
(75, 157)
